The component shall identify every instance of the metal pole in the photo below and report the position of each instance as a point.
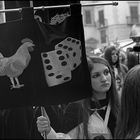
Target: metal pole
(99, 4)
(31, 3)
(126, 45)
(3, 14)
(58, 6)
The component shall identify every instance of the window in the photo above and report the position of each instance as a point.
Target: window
(134, 14)
(88, 17)
(101, 17)
(103, 36)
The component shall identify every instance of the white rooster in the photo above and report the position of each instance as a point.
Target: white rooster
(14, 66)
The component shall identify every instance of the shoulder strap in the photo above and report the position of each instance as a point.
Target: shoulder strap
(107, 114)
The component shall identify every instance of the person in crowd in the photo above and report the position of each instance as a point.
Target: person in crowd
(98, 113)
(123, 57)
(63, 117)
(128, 123)
(111, 54)
(132, 58)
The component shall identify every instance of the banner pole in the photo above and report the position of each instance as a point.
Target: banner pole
(58, 6)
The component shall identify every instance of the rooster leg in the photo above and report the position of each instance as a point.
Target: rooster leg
(18, 85)
(13, 83)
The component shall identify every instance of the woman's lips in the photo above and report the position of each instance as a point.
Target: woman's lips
(105, 85)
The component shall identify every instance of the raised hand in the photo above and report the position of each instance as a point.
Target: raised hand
(43, 125)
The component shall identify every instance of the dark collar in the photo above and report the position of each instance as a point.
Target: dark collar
(100, 104)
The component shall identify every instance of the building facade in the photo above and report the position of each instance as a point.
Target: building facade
(107, 23)
(103, 24)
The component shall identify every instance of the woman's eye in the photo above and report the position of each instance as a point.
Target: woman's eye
(95, 75)
(106, 72)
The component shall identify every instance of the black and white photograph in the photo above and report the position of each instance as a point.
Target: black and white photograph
(69, 69)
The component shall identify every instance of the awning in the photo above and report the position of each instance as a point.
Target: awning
(127, 43)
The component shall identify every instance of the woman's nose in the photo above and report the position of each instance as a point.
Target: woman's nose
(103, 77)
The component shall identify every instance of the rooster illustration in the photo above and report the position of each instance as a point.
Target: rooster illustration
(14, 65)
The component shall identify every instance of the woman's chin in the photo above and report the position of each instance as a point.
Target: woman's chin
(104, 90)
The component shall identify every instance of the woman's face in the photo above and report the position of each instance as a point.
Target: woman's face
(114, 56)
(100, 78)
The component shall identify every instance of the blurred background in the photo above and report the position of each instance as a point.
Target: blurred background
(104, 25)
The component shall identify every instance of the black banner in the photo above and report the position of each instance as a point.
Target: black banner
(53, 67)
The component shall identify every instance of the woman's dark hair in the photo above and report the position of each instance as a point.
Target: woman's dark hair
(128, 123)
(132, 59)
(108, 55)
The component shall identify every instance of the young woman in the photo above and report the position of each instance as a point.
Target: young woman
(128, 124)
(111, 54)
(98, 112)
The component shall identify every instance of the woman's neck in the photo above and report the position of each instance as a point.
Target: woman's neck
(99, 95)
